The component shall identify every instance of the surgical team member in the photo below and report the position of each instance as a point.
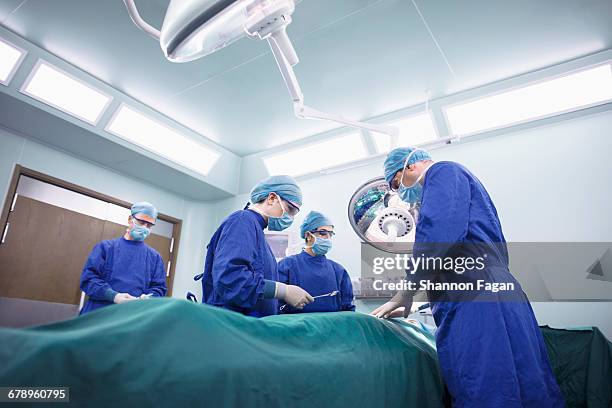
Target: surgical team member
(125, 269)
(314, 272)
(240, 272)
(492, 354)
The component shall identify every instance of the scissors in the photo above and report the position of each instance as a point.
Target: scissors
(333, 293)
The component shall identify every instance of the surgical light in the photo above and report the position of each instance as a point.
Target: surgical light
(381, 219)
(193, 29)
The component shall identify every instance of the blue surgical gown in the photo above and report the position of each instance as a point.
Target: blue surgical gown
(238, 260)
(317, 275)
(121, 266)
(491, 353)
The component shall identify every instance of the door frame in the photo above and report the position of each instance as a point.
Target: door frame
(24, 171)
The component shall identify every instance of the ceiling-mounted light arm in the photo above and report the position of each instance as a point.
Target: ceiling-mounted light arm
(139, 22)
(285, 66)
(284, 43)
(306, 112)
(285, 56)
(195, 28)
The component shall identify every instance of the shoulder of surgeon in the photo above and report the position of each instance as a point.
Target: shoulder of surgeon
(288, 260)
(243, 218)
(336, 265)
(107, 245)
(447, 168)
(152, 251)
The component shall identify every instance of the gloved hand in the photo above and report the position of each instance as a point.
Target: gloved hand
(147, 296)
(388, 310)
(293, 295)
(123, 298)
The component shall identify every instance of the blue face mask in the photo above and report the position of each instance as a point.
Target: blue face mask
(139, 233)
(280, 223)
(321, 246)
(411, 195)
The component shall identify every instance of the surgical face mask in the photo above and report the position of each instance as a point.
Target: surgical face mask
(138, 232)
(280, 223)
(411, 194)
(320, 246)
(404, 170)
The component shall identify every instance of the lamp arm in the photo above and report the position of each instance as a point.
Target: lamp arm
(138, 21)
(285, 57)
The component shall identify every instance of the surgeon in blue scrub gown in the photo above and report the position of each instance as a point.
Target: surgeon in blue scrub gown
(314, 272)
(125, 269)
(240, 272)
(492, 353)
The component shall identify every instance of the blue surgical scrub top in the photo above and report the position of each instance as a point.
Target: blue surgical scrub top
(317, 275)
(238, 260)
(492, 353)
(121, 266)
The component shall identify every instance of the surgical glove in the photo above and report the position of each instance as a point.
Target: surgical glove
(388, 310)
(293, 295)
(147, 296)
(123, 298)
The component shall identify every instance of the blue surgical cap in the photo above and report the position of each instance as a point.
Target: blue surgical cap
(396, 158)
(146, 209)
(313, 220)
(284, 186)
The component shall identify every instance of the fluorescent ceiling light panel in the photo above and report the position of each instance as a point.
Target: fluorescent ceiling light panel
(160, 139)
(413, 130)
(570, 92)
(66, 93)
(317, 156)
(10, 58)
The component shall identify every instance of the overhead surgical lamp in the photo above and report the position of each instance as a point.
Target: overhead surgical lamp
(384, 221)
(195, 28)
(380, 217)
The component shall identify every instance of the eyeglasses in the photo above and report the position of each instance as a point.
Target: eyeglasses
(395, 183)
(143, 223)
(324, 233)
(292, 209)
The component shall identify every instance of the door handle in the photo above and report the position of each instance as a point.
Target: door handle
(6, 228)
(14, 202)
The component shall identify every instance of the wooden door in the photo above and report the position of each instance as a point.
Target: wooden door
(44, 251)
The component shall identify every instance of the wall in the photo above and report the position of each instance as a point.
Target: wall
(15, 149)
(550, 183)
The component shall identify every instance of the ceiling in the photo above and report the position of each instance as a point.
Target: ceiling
(359, 58)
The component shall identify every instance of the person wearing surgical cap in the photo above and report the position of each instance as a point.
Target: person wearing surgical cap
(491, 352)
(240, 271)
(406, 157)
(313, 271)
(125, 269)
